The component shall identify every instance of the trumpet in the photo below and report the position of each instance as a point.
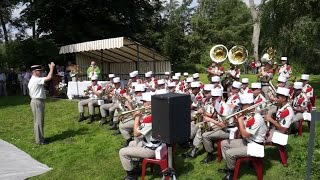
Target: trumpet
(126, 114)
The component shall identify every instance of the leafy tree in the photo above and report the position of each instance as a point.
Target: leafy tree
(294, 29)
(224, 22)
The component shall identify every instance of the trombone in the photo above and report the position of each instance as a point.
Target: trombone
(225, 118)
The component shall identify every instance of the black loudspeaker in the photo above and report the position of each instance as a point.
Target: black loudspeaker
(171, 117)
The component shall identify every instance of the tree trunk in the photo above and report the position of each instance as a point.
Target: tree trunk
(255, 40)
(256, 29)
(4, 29)
(34, 35)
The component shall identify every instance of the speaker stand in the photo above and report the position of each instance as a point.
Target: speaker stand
(169, 172)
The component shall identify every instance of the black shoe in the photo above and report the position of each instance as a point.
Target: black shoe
(228, 176)
(111, 123)
(207, 159)
(113, 127)
(223, 170)
(125, 144)
(103, 121)
(191, 154)
(131, 176)
(187, 144)
(91, 119)
(81, 117)
(117, 132)
(43, 143)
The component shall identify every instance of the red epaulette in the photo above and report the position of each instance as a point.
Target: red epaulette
(250, 122)
(235, 97)
(300, 100)
(258, 101)
(284, 113)
(309, 89)
(288, 67)
(221, 68)
(147, 119)
(99, 88)
(250, 91)
(221, 110)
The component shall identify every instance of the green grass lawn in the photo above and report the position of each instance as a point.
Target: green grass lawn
(82, 151)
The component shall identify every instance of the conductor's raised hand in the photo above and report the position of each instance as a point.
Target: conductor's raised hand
(51, 65)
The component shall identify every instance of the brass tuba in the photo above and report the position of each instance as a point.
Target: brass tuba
(218, 53)
(269, 55)
(238, 55)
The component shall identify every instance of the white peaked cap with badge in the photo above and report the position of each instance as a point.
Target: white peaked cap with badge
(167, 73)
(283, 91)
(195, 84)
(177, 74)
(94, 78)
(172, 84)
(147, 96)
(185, 74)
(111, 76)
(245, 80)
(189, 79)
(297, 85)
(139, 88)
(208, 87)
(161, 81)
(216, 92)
(195, 75)
(246, 98)
(284, 58)
(236, 84)
(148, 74)
(256, 85)
(132, 74)
(116, 80)
(175, 77)
(215, 79)
(305, 76)
(282, 79)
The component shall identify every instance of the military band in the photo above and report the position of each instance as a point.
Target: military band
(264, 109)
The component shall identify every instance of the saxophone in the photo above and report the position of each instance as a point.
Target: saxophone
(205, 126)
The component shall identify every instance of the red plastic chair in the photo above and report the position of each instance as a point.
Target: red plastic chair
(163, 163)
(301, 125)
(310, 107)
(282, 153)
(257, 163)
(219, 152)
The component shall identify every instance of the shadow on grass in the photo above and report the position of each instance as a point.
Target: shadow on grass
(6, 101)
(66, 134)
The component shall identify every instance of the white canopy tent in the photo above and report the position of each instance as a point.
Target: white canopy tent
(119, 55)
